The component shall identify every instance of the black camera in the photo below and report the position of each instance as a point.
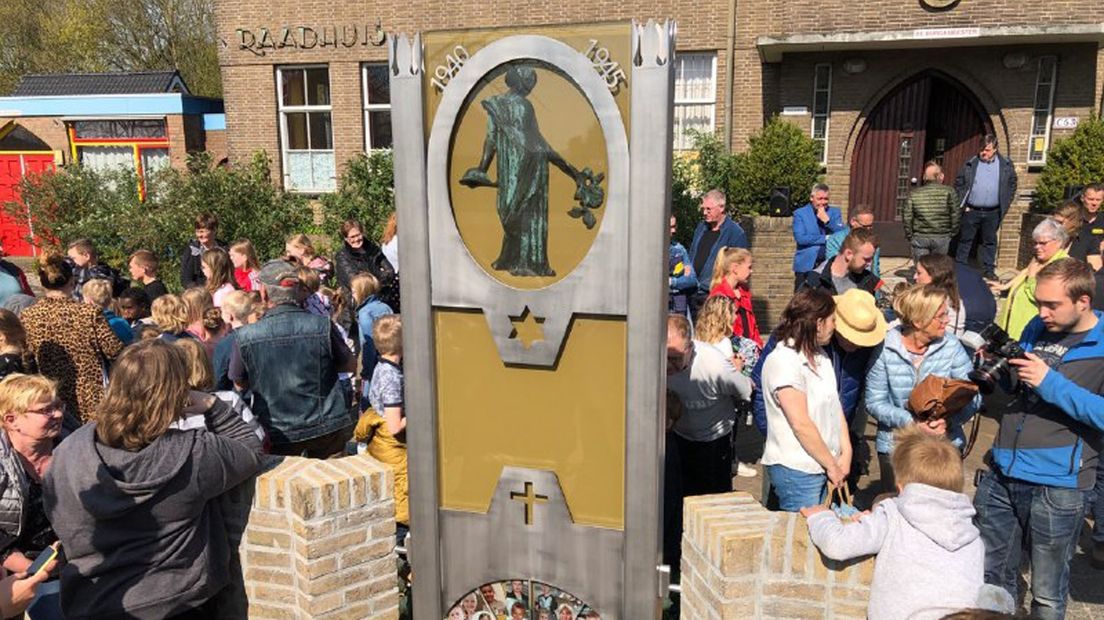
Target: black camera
(1000, 349)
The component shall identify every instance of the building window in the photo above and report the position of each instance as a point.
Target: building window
(1043, 111)
(306, 128)
(822, 108)
(377, 106)
(695, 96)
(139, 145)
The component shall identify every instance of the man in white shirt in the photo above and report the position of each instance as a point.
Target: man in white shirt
(706, 383)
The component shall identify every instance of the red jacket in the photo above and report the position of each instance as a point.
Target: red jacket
(745, 324)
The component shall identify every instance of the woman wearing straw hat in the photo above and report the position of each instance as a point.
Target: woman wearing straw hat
(919, 346)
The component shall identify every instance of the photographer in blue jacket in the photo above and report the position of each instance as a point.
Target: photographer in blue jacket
(1045, 453)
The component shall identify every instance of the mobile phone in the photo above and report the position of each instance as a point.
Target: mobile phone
(48, 554)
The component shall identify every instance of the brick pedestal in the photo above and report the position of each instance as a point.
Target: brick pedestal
(742, 562)
(319, 541)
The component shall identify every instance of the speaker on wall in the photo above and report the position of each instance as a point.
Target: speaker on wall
(779, 204)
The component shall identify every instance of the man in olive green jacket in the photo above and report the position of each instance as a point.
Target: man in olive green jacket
(931, 214)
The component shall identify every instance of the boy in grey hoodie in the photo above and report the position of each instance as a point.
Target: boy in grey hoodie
(930, 558)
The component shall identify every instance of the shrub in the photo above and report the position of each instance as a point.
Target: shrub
(366, 193)
(779, 156)
(76, 202)
(1076, 160)
(684, 199)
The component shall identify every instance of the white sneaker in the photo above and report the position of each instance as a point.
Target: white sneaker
(746, 471)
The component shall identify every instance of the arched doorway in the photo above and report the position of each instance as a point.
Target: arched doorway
(928, 117)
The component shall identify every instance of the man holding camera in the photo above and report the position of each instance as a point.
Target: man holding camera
(1045, 453)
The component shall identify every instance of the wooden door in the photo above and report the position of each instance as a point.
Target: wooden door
(15, 230)
(889, 155)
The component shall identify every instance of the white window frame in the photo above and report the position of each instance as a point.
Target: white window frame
(369, 106)
(827, 115)
(710, 101)
(282, 111)
(1035, 108)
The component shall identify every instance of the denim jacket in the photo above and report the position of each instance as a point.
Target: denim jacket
(293, 375)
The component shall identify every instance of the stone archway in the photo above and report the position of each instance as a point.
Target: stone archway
(930, 116)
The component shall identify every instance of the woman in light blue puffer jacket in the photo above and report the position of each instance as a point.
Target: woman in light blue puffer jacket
(919, 346)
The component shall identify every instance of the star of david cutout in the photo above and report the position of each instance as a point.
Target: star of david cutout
(527, 328)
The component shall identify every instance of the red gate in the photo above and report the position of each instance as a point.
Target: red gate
(15, 231)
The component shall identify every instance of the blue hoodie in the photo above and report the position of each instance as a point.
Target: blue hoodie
(1058, 447)
(892, 377)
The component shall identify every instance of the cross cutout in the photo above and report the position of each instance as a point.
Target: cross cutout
(529, 498)
(527, 328)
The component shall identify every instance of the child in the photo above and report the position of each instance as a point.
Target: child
(13, 340)
(97, 292)
(317, 302)
(930, 557)
(383, 426)
(143, 270)
(238, 309)
(86, 266)
(246, 266)
(206, 229)
(200, 378)
(219, 272)
(369, 307)
(134, 306)
(299, 249)
(170, 315)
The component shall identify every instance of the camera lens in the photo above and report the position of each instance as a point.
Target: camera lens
(988, 375)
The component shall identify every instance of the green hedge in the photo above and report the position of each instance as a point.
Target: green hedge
(1076, 160)
(76, 202)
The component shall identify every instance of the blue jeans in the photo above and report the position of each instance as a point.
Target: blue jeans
(796, 489)
(1049, 518)
(986, 223)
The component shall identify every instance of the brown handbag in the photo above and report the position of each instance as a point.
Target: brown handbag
(935, 398)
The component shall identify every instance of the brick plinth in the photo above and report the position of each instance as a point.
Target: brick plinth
(319, 541)
(743, 562)
(772, 246)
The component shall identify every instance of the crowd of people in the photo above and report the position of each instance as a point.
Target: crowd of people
(921, 361)
(128, 411)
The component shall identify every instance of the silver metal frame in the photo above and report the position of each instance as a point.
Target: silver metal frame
(652, 108)
(411, 202)
(460, 282)
(456, 551)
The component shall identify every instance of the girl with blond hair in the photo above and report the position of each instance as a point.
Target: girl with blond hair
(219, 272)
(300, 250)
(731, 273)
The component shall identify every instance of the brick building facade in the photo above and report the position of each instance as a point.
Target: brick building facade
(1026, 70)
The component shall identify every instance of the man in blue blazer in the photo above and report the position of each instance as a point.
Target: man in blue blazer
(812, 225)
(715, 231)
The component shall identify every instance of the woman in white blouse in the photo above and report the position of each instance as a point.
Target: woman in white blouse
(807, 444)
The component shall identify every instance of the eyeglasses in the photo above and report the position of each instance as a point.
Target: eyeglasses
(56, 407)
(1043, 242)
(354, 237)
